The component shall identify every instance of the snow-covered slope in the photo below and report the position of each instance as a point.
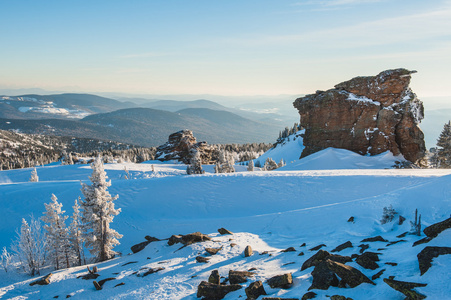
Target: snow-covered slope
(271, 211)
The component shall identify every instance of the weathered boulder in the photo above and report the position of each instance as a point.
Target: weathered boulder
(248, 251)
(368, 260)
(349, 275)
(322, 255)
(289, 249)
(323, 277)
(255, 290)
(152, 270)
(43, 281)
(378, 274)
(308, 295)
(213, 251)
(343, 246)
(433, 230)
(188, 239)
(317, 247)
(236, 277)
(281, 281)
(214, 277)
(139, 247)
(406, 288)
(427, 254)
(374, 239)
(367, 115)
(201, 259)
(180, 144)
(213, 291)
(339, 297)
(224, 231)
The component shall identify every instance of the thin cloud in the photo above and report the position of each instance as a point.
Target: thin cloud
(145, 55)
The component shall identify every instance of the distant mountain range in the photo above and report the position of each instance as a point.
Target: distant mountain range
(91, 116)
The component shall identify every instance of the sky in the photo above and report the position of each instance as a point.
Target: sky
(233, 47)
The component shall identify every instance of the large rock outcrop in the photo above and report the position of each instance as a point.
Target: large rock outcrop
(180, 144)
(367, 115)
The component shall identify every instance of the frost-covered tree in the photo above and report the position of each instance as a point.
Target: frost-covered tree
(34, 175)
(195, 166)
(270, 164)
(250, 166)
(225, 162)
(5, 259)
(388, 214)
(75, 235)
(444, 147)
(281, 163)
(57, 234)
(30, 247)
(97, 213)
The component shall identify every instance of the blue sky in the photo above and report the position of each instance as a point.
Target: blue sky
(233, 47)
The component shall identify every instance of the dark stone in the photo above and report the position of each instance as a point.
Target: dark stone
(363, 247)
(188, 239)
(224, 231)
(378, 274)
(343, 246)
(119, 284)
(290, 263)
(301, 254)
(348, 274)
(317, 247)
(277, 298)
(309, 295)
(401, 220)
(402, 235)
(201, 259)
(43, 281)
(322, 255)
(213, 291)
(255, 290)
(214, 277)
(281, 281)
(395, 242)
(129, 263)
(152, 270)
(427, 254)
(323, 277)
(232, 244)
(97, 285)
(351, 220)
(138, 247)
(151, 239)
(236, 277)
(102, 282)
(422, 241)
(248, 251)
(339, 297)
(289, 249)
(213, 251)
(393, 264)
(252, 269)
(368, 260)
(303, 245)
(406, 288)
(374, 239)
(433, 230)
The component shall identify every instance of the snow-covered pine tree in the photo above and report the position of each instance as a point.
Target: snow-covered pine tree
(34, 175)
(30, 246)
(270, 164)
(57, 234)
(195, 166)
(75, 235)
(281, 163)
(5, 259)
(97, 213)
(444, 147)
(250, 166)
(225, 162)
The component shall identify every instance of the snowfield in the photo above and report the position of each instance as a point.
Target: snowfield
(307, 201)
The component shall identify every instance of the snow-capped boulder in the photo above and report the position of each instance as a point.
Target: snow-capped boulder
(180, 144)
(367, 115)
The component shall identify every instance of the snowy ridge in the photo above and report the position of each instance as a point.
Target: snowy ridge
(304, 202)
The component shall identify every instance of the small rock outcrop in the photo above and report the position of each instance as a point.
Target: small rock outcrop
(367, 115)
(236, 277)
(213, 291)
(223, 231)
(427, 254)
(434, 230)
(281, 281)
(248, 251)
(322, 255)
(214, 277)
(43, 281)
(180, 144)
(255, 290)
(368, 260)
(188, 239)
(343, 246)
(406, 288)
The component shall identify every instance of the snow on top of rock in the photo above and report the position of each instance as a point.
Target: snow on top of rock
(354, 97)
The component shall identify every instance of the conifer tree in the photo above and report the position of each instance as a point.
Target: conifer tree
(250, 166)
(30, 246)
(34, 175)
(270, 164)
(444, 144)
(75, 235)
(57, 234)
(225, 162)
(195, 166)
(97, 213)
